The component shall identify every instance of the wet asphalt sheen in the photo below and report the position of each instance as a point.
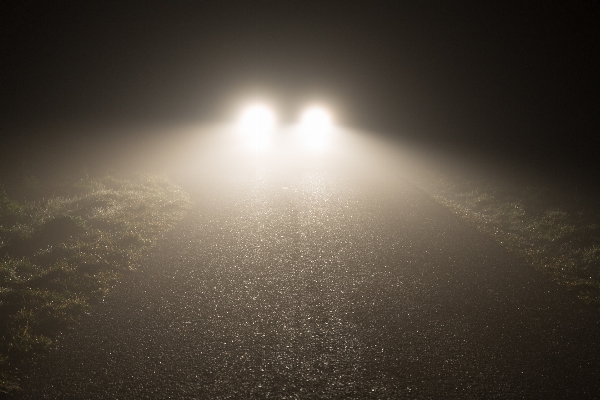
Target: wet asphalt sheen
(319, 285)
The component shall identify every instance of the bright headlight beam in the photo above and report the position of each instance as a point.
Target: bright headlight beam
(315, 118)
(315, 125)
(258, 117)
(257, 123)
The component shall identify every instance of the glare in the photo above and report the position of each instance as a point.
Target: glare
(315, 126)
(315, 118)
(257, 124)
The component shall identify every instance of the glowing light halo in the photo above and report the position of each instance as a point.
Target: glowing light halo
(258, 117)
(257, 122)
(315, 125)
(315, 118)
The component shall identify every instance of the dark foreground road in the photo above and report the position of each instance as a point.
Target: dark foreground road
(313, 283)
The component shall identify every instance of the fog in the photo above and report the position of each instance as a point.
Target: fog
(512, 83)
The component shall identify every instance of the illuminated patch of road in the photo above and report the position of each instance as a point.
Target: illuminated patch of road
(284, 300)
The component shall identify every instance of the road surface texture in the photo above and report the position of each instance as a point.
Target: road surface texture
(316, 282)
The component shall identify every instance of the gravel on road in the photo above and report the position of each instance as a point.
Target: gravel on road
(322, 285)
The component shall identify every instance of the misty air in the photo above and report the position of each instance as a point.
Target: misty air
(299, 200)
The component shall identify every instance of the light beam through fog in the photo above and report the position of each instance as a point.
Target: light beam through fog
(256, 124)
(315, 127)
(221, 153)
(296, 257)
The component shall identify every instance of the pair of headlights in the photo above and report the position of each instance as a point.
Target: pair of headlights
(260, 117)
(258, 122)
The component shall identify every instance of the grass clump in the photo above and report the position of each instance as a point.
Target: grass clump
(556, 231)
(61, 254)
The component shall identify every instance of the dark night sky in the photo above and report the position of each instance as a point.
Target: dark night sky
(497, 75)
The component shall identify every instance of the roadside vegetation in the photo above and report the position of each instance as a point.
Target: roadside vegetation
(64, 246)
(555, 229)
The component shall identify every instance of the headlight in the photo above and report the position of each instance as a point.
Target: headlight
(315, 126)
(257, 123)
(315, 118)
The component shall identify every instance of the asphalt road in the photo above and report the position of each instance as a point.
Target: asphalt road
(311, 281)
